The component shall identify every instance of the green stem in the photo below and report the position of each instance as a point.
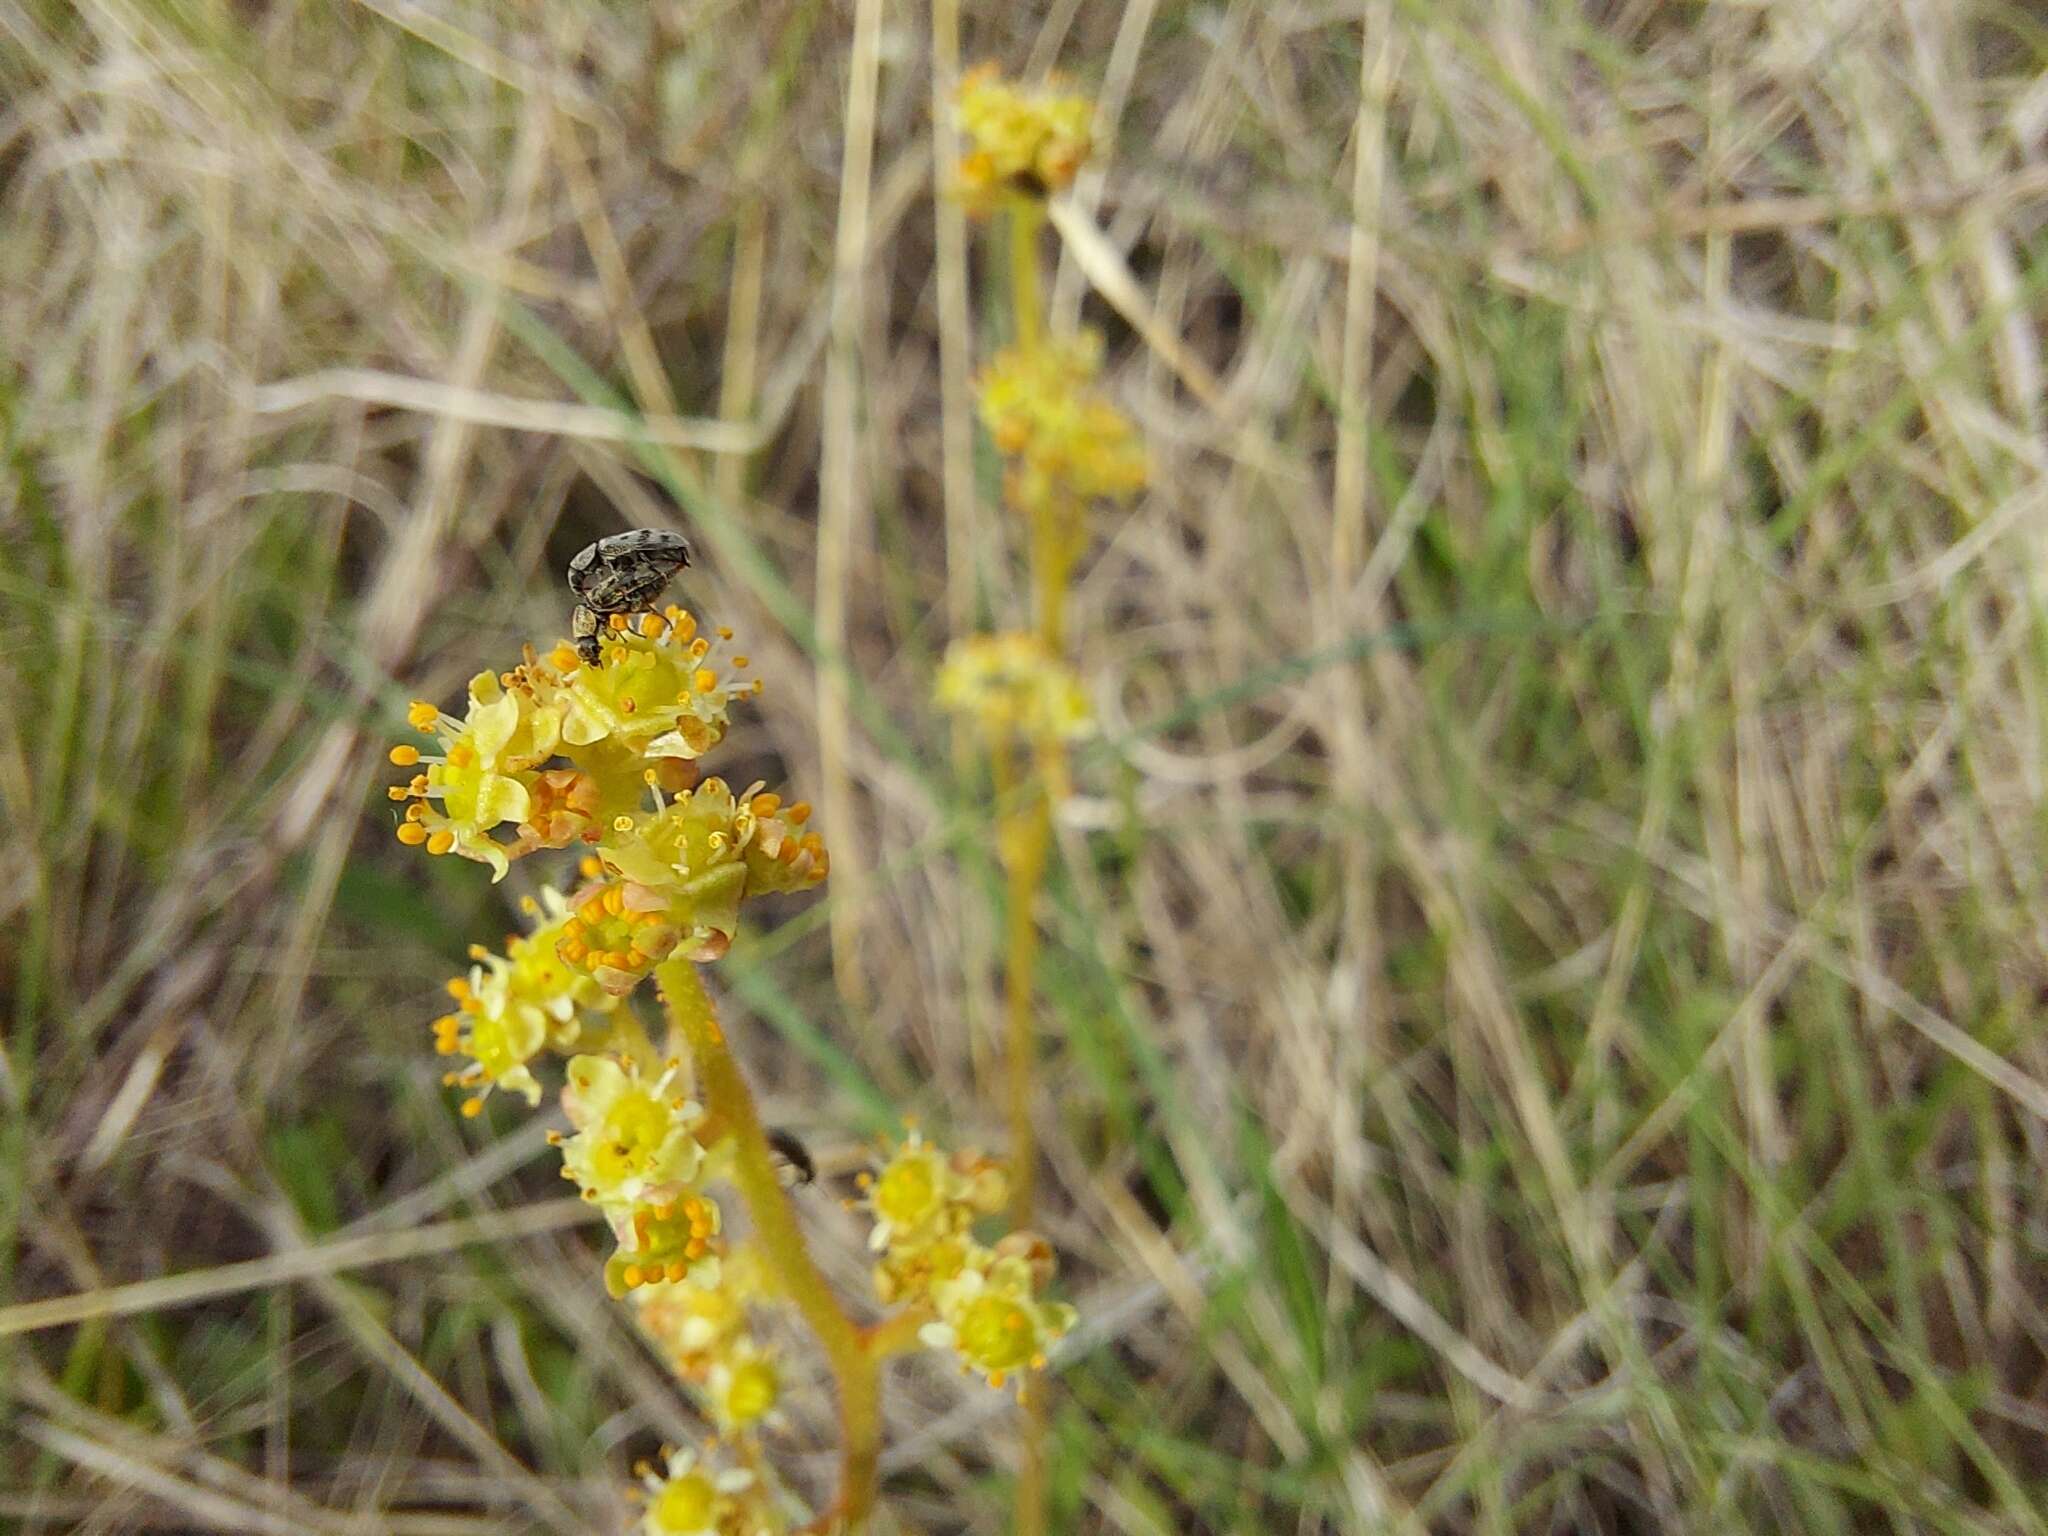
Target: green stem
(1026, 220)
(692, 1016)
(1026, 840)
(1022, 840)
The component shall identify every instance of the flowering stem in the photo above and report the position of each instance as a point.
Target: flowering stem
(1027, 218)
(1022, 841)
(1052, 563)
(1025, 840)
(692, 1016)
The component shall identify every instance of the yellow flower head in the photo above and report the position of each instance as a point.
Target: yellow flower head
(921, 1196)
(743, 1386)
(513, 1005)
(991, 1316)
(634, 1136)
(483, 775)
(1022, 142)
(693, 1499)
(1013, 687)
(1067, 445)
(618, 932)
(663, 691)
(912, 1198)
(698, 856)
(668, 1239)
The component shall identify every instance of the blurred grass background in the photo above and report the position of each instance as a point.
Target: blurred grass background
(1545, 961)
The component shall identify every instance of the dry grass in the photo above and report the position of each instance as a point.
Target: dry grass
(1546, 961)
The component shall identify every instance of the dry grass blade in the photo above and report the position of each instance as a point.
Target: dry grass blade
(315, 1261)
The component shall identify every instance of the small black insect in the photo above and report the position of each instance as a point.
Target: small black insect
(793, 1157)
(623, 573)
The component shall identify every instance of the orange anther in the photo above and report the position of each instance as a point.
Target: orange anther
(403, 756)
(411, 833)
(441, 841)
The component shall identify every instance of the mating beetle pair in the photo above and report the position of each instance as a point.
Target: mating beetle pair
(622, 573)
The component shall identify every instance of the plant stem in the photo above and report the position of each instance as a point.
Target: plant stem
(1028, 314)
(692, 1016)
(1022, 841)
(1025, 840)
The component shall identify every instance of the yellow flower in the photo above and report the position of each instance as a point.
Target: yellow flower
(481, 779)
(666, 1239)
(912, 1198)
(634, 1137)
(1021, 142)
(1012, 686)
(699, 855)
(743, 1386)
(511, 1006)
(921, 1196)
(990, 1314)
(1067, 444)
(664, 690)
(618, 932)
(693, 1500)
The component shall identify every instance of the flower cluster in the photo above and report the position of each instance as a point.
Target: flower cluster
(1066, 444)
(512, 1006)
(1022, 143)
(604, 759)
(1011, 687)
(703, 1325)
(987, 1304)
(558, 752)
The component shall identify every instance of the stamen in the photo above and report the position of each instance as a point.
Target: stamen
(411, 833)
(403, 756)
